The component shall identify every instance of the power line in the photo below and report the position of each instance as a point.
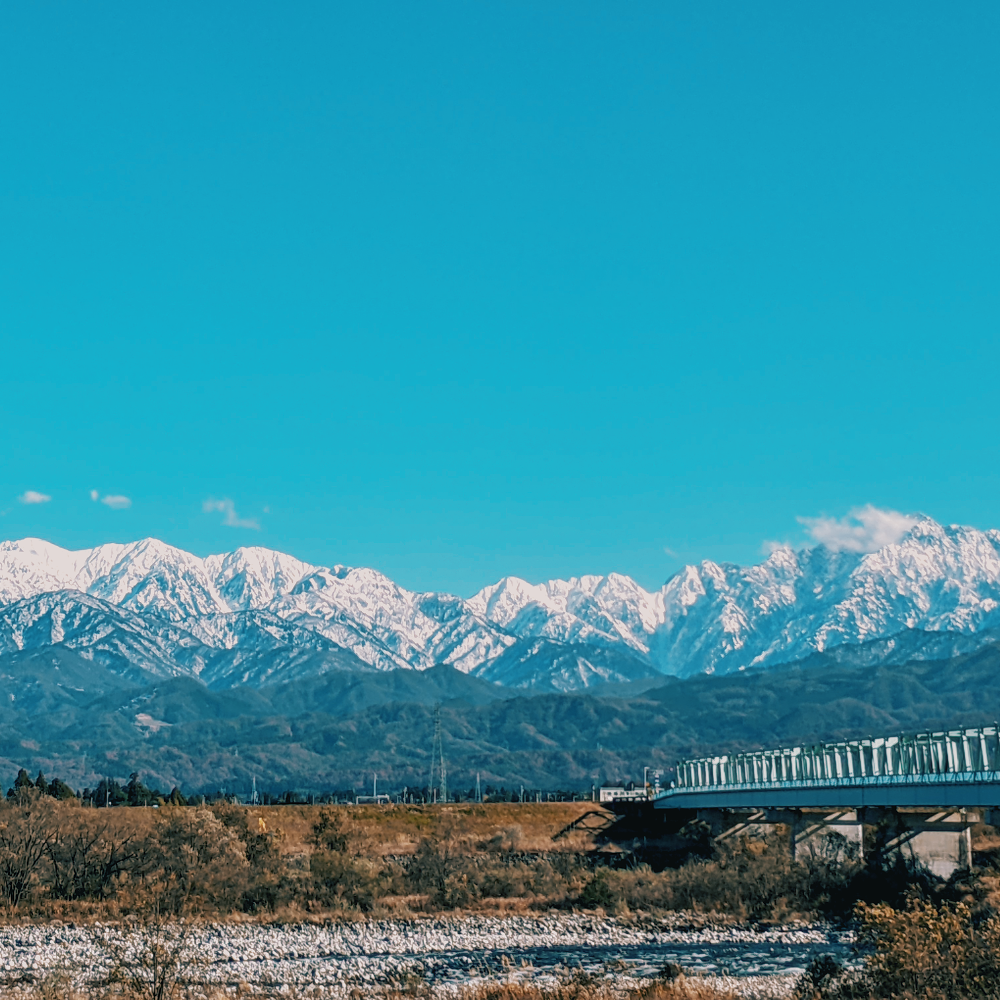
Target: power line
(437, 759)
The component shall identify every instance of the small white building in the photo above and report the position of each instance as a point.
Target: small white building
(619, 794)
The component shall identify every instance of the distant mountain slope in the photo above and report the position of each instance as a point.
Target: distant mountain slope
(112, 636)
(547, 665)
(333, 732)
(255, 616)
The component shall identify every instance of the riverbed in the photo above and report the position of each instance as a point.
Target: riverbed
(333, 958)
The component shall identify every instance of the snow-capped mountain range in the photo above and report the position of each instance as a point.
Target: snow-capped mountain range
(255, 616)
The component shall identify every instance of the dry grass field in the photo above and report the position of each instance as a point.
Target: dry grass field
(380, 831)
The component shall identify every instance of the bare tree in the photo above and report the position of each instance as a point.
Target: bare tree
(27, 829)
(153, 960)
(88, 858)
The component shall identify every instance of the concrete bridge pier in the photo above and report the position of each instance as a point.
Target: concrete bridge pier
(734, 824)
(941, 841)
(833, 834)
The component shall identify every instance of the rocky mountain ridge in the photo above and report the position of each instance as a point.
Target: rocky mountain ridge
(257, 616)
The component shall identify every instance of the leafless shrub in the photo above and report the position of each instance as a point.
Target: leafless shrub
(201, 862)
(442, 869)
(269, 883)
(89, 857)
(748, 881)
(941, 951)
(578, 987)
(27, 829)
(151, 960)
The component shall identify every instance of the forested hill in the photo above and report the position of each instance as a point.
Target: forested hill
(334, 731)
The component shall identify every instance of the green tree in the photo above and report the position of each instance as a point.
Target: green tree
(109, 793)
(58, 789)
(21, 783)
(138, 794)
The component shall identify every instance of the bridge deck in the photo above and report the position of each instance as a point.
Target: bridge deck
(947, 791)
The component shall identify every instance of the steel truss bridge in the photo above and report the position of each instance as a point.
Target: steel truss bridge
(930, 788)
(958, 768)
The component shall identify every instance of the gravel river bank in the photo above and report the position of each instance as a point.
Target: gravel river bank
(329, 960)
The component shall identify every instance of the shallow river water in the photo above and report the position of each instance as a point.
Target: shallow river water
(643, 960)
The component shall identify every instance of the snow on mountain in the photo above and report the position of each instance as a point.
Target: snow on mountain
(99, 631)
(259, 630)
(725, 617)
(254, 613)
(252, 578)
(547, 665)
(387, 626)
(721, 617)
(359, 610)
(596, 610)
(150, 576)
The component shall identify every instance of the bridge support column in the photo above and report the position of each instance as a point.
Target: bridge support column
(833, 835)
(940, 841)
(732, 824)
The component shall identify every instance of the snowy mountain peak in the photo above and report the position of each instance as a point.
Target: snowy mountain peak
(211, 616)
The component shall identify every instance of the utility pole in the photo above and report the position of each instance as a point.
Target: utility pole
(645, 781)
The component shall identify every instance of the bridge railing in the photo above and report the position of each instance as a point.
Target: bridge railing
(876, 781)
(931, 756)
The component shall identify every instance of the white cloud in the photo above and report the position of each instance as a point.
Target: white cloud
(33, 496)
(769, 547)
(113, 500)
(230, 518)
(864, 529)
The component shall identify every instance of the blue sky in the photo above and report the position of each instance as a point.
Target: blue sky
(461, 290)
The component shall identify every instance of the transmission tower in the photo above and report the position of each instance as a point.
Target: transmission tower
(437, 760)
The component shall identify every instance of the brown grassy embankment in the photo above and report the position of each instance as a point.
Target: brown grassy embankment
(399, 829)
(60, 860)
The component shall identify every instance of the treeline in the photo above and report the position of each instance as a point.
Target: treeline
(107, 793)
(58, 859)
(110, 792)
